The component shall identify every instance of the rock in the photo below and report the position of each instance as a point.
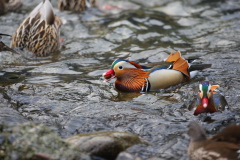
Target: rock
(14, 117)
(104, 144)
(155, 158)
(35, 141)
(127, 156)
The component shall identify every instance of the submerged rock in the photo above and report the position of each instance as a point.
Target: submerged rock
(104, 144)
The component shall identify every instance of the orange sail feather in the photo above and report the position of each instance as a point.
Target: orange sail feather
(179, 63)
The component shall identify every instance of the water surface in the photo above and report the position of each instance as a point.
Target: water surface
(65, 90)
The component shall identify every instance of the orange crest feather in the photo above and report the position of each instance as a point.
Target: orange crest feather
(213, 88)
(133, 80)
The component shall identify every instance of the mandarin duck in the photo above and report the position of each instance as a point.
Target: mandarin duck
(10, 5)
(223, 146)
(208, 99)
(76, 5)
(132, 77)
(39, 32)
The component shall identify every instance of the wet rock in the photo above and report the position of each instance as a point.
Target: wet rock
(155, 158)
(127, 156)
(32, 141)
(104, 144)
(8, 115)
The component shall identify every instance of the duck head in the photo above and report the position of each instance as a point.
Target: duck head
(131, 76)
(206, 90)
(205, 93)
(119, 68)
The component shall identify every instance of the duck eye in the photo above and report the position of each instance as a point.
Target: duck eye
(210, 90)
(120, 67)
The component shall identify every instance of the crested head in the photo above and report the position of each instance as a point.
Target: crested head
(127, 64)
(130, 76)
(206, 90)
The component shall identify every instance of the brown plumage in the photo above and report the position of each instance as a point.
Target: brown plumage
(76, 5)
(10, 5)
(223, 146)
(39, 32)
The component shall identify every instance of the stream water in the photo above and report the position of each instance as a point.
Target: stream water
(66, 92)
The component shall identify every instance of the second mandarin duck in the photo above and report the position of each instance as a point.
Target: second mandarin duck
(76, 5)
(39, 32)
(132, 77)
(208, 100)
(223, 146)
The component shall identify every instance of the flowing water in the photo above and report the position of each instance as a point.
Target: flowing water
(66, 91)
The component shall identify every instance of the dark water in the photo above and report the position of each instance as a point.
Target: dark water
(65, 91)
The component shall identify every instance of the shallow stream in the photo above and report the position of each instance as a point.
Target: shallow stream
(66, 91)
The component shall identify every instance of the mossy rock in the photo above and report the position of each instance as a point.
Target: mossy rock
(32, 141)
(104, 144)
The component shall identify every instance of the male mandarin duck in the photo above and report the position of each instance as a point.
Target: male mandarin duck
(208, 100)
(132, 77)
(76, 5)
(10, 5)
(40, 31)
(223, 146)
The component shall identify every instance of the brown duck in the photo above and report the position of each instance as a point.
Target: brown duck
(76, 5)
(223, 146)
(10, 5)
(39, 32)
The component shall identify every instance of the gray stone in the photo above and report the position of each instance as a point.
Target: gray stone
(104, 144)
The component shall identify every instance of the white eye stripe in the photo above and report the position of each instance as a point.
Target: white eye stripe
(200, 87)
(209, 87)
